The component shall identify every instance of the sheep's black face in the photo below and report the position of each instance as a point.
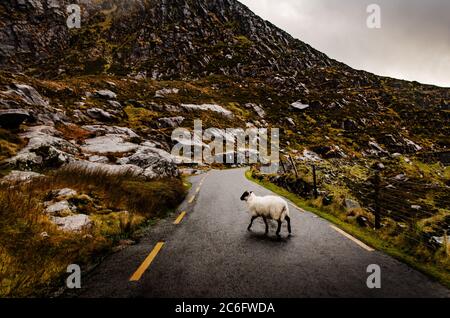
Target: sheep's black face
(245, 196)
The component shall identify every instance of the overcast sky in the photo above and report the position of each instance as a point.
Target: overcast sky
(413, 42)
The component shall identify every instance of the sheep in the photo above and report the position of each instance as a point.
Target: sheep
(269, 207)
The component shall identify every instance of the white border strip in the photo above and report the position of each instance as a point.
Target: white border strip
(364, 246)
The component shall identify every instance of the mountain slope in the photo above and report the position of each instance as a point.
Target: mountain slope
(191, 39)
(168, 39)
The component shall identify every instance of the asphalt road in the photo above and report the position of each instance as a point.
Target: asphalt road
(211, 254)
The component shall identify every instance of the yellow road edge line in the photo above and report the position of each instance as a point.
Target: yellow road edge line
(192, 199)
(146, 263)
(364, 246)
(179, 218)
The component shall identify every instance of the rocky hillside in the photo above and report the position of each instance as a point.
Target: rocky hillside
(166, 39)
(191, 40)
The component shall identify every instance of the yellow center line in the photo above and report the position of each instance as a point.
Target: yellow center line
(364, 246)
(140, 271)
(179, 218)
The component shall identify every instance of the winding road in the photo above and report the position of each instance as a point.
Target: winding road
(209, 253)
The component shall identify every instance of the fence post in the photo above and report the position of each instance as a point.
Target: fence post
(282, 165)
(446, 244)
(293, 164)
(376, 184)
(316, 194)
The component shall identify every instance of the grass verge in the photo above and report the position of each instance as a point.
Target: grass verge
(35, 253)
(367, 236)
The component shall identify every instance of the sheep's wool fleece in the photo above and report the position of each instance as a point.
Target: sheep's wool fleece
(271, 207)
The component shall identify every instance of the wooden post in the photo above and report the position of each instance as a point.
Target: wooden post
(376, 183)
(282, 165)
(316, 193)
(293, 164)
(446, 244)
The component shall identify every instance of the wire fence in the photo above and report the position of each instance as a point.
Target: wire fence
(418, 209)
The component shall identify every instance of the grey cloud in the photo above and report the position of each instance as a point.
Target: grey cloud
(413, 43)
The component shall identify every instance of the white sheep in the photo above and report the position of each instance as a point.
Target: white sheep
(269, 207)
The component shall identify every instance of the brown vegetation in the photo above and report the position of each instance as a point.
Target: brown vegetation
(34, 253)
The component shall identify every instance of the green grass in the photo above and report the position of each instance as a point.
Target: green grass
(367, 236)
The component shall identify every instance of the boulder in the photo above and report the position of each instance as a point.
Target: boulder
(166, 91)
(441, 239)
(400, 177)
(35, 4)
(79, 117)
(20, 176)
(66, 192)
(115, 104)
(208, 107)
(299, 105)
(309, 156)
(375, 149)
(98, 159)
(44, 149)
(399, 144)
(59, 208)
(257, 108)
(108, 143)
(99, 114)
(27, 94)
(329, 152)
(13, 118)
(73, 223)
(290, 121)
(171, 121)
(155, 162)
(411, 146)
(105, 94)
(351, 204)
(113, 130)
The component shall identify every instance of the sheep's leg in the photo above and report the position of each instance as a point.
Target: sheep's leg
(267, 225)
(251, 222)
(279, 228)
(288, 219)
